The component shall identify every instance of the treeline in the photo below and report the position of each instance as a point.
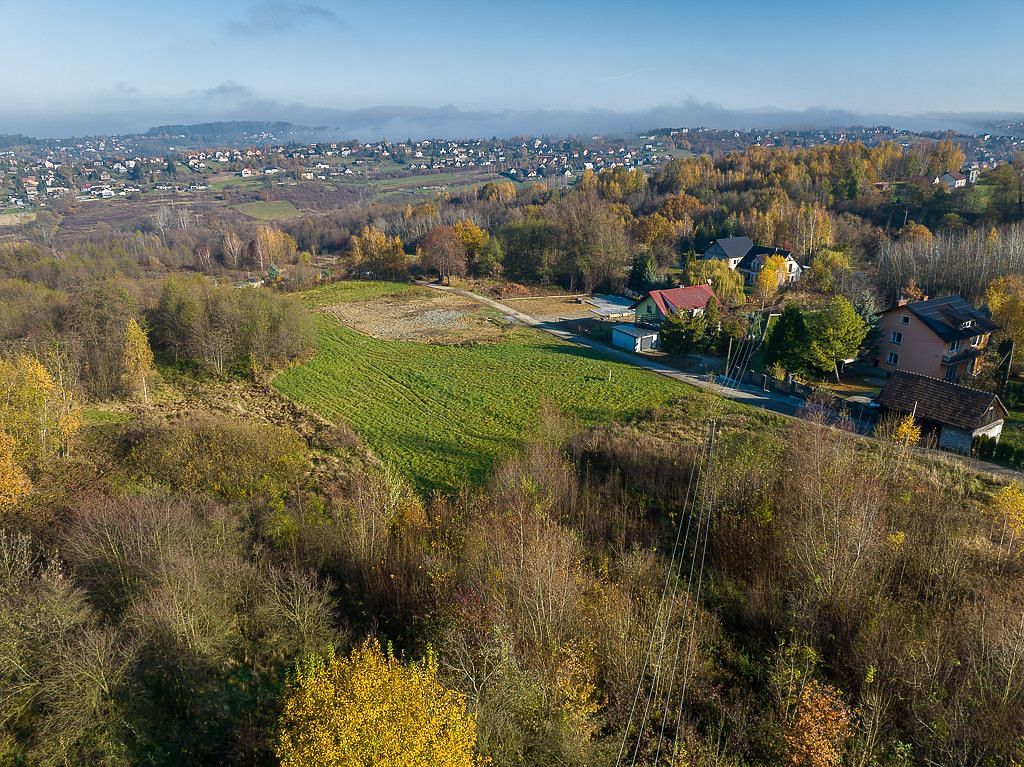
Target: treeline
(866, 203)
(100, 339)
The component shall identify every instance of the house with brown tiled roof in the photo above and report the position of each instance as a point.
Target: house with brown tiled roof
(652, 309)
(954, 415)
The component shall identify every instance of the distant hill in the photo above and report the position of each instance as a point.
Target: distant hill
(238, 132)
(10, 141)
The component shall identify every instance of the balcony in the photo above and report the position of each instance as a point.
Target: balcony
(961, 354)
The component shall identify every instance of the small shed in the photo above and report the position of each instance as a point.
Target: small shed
(634, 338)
(956, 414)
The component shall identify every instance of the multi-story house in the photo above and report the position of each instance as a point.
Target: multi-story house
(741, 254)
(943, 338)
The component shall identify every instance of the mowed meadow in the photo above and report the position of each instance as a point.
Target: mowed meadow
(442, 414)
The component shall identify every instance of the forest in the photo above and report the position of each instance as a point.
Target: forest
(198, 570)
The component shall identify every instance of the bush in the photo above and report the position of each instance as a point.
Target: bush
(984, 447)
(1004, 451)
(218, 456)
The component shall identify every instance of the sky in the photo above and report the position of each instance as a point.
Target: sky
(116, 65)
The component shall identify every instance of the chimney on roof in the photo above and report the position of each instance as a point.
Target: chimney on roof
(902, 302)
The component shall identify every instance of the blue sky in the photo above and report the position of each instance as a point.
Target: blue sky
(134, 62)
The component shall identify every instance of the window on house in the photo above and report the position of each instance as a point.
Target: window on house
(904, 320)
(896, 337)
(954, 347)
(893, 358)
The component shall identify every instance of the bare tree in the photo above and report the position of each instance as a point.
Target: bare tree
(233, 248)
(162, 219)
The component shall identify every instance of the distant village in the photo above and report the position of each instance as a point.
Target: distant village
(36, 172)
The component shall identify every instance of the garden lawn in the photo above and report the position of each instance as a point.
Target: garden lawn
(441, 415)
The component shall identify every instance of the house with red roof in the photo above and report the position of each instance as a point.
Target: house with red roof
(652, 309)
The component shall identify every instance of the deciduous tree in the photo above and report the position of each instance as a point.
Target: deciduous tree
(375, 252)
(727, 283)
(370, 709)
(1005, 297)
(40, 416)
(14, 483)
(442, 250)
(138, 372)
(836, 333)
(771, 278)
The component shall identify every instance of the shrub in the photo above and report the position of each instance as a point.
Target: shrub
(1004, 451)
(984, 447)
(218, 456)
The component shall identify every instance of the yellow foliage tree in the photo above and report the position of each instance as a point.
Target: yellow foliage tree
(1005, 297)
(374, 251)
(473, 238)
(915, 232)
(771, 278)
(14, 484)
(907, 432)
(817, 732)
(272, 246)
(41, 416)
(1008, 503)
(370, 709)
(138, 362)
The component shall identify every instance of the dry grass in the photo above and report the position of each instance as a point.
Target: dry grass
(547, 308)
(433, 317)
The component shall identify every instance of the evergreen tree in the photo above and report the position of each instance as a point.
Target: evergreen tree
(643, 275)
(681, 333)
(712, 323)
(789, 340)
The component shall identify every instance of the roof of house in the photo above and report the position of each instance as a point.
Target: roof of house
(634, 331)
(734, 247)
(674, 299)
(950, 317)
(946, 403)
(759, 254)
(957, 175)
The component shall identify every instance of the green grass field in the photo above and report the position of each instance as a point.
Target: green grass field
(269, 211)
(442, 414)
(358, 290)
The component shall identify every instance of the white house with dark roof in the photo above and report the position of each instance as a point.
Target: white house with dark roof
(743, 255)
(951, 180)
